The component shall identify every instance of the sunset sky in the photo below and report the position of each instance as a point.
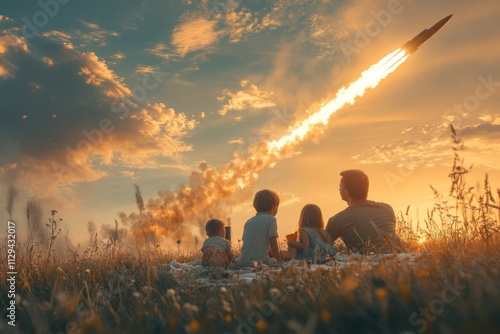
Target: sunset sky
(99, 96)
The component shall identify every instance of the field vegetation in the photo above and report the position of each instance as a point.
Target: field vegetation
(454, 287)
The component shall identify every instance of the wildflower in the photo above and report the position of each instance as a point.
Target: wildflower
(190, 308)
(261, 326)
(61, 297)
(147, 289)
(194, 325)
(170, 292)
(381, 293)
(381, 269)
(422, 273)
(87, 271)
(349, 283)
(223, 290)
(404, 291)
(136, 294)
(228, 318)
(18, 298)
(275, 293)
(226, 306)
(326, 316)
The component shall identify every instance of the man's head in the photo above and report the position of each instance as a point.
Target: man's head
(215, 227)
(266, 201)
(354, 185)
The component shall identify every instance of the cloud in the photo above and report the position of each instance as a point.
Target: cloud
(250, 97)
(58, 36)
(204, 27)
(425, 145)
(118, 56)
(490, 118)
(97, 73)
(194, 35)
(242, 23)
(54, 143)
(92, 34)
(179, 81)
(236, 141)
(4, 18)
(161, 50)
(145, 69)
(89, 25)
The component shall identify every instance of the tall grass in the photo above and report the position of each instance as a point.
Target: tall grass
(454, 287)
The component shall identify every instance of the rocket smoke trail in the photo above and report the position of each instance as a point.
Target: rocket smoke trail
(181, 214)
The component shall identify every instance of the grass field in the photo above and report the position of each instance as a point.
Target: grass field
(455, 288)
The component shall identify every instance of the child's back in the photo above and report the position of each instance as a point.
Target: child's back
(256, 234)
(314, 244)
(320, 249)
(215, 250)
(260, 234)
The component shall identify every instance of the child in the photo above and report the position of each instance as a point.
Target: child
(314, 244)
(260, 234)
(216, 250)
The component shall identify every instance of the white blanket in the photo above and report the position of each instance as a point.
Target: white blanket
(193, 273)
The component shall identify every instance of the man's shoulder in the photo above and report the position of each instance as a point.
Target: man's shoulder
(340, 214)
(378, 203)
(350, 210)
(338, 217)
(382, 205)
(368, 204)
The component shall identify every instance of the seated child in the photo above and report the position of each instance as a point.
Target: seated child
(314, 242)
(216, 250)
(260, 234)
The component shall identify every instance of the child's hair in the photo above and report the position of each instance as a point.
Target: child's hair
(311, 216)
(265, 200)
(213, 226)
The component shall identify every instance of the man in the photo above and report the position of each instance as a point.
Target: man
(365, 225)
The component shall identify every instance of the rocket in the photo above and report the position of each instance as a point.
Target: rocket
(413, 44)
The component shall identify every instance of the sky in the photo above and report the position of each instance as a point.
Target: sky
(179, 97)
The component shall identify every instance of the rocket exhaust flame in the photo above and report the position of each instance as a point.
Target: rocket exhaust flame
(369, 79)
(181, 214)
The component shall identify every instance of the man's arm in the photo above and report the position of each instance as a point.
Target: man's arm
(273, 241)
(333, 229)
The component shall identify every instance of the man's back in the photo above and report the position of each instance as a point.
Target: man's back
(365, 227)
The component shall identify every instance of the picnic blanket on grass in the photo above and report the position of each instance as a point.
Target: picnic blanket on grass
(193, 273)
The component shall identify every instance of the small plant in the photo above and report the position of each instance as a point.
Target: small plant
(54, 228)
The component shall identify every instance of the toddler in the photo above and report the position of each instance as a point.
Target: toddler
(216, 250)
